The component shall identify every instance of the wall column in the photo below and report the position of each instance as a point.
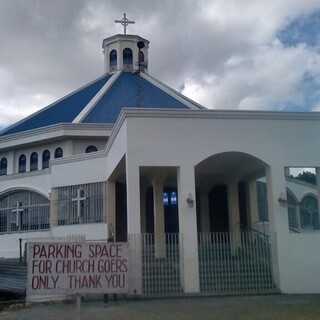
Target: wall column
(253, 201)
(233, 207)
(53, 220)
(188, 229)
(159, 226)
(205, 210)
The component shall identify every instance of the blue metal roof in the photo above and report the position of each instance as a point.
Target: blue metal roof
(131, 91)
(64, 110)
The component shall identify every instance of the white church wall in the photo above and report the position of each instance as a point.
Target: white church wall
(171, 141)
(38, 181)
(300, 263)
(10, 243)
(92, 232)
(78, 170)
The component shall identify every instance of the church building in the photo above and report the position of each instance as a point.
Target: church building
(204, 197)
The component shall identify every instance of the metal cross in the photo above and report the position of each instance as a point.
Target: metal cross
(78, 200)
(124, 21)
(17, 210)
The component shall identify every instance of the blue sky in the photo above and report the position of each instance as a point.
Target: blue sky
(235, 54)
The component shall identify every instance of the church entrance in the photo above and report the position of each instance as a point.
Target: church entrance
(218, 207)
(170, 208)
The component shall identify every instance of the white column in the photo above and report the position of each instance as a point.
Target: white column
(188, 229)
(53, 208)
(278, 212)
(133, 199)
(143, 193)
(233, 207)
(254, 214)
(205, 210)
(234, 216)
(159, 225)
(110, 213)
(318, 184)
(278, 220)
(134, 225)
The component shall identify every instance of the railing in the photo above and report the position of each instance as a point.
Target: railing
(159, 262)
(235, 262)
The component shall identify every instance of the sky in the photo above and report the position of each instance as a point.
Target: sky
(224, 54)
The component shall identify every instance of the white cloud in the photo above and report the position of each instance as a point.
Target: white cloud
(225, 53)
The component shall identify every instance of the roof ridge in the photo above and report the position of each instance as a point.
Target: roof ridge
(90, 105)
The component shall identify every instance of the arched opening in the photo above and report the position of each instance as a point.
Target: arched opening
(22, 163)
(224, 200)
(3, 166)
(45, 159)
(113, 60)
(58, 153)
(127, 58)
(91, 149)
(33, 161)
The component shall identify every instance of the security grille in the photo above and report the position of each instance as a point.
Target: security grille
(24, 211)
(80, 204)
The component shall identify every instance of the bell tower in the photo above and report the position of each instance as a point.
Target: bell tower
(125, 52)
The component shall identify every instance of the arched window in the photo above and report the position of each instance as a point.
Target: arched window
(22, 163)
(3, 166)
(45, 159)
(113, 58)
(33, 161)
(23, 210)
(127, 56)
(309, 213)
(91, 149)
(141, 56)
(58, 153)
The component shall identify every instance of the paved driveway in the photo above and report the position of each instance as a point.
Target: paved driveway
(273, 307)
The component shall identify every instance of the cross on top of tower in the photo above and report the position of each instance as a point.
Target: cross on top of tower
(125, 22)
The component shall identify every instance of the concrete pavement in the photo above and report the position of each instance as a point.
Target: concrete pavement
(273, 307)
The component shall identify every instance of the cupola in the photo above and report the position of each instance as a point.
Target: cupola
(125, 52)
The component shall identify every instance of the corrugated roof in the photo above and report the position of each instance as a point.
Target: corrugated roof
(130, 91)
(62, 111)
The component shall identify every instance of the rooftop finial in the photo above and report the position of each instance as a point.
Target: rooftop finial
(124, 21)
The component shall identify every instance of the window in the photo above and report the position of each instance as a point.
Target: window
(173, 197)
(91, 149)
(141, 56)
(309, 213)
(262, 201)
(113, 58)
(58, 153)
(165, 198)
(127, 56)
(23, 210)
(34, 161)
(3, 166)
(45, 159)
(22, 163)
(169, 198)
